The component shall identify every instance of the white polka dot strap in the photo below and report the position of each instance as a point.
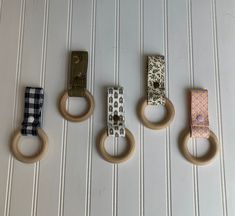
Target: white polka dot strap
(116, 114)
(32, 110)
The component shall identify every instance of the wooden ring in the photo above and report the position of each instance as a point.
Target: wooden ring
(120, 158)
(205, 159)
(157, 125)
(33, 158)
(79, 118)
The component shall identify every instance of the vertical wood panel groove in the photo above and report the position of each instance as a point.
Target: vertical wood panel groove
(91, 120)
(141, 127)
(65, 122)
(116, 81)
(35, 189)
(62, 169)
(15, 108)
(9, 186)
(117, 41)
(44, 44)
(219, 108)
(195, 183)
(1, 8)
(191, 81)
(42, 84)
(167, 141)
(190, 43)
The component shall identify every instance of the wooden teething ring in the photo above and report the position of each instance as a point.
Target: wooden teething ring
(120, 158)
(157, 125)
(79, 118)
(205, 159)
(29, 159)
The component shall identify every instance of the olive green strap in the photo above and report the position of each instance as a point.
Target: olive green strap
(78, 74)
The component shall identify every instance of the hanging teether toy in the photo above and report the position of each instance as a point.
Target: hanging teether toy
(31, 125)
(77, 87)
(199, 128)
(116, 126)
(156, 93)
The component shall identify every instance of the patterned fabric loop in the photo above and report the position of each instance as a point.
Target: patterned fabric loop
(199, 114)
(32, 110)
(156, 80)
(116, 114)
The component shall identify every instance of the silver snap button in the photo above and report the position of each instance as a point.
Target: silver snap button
(200, 118)
(30, 119)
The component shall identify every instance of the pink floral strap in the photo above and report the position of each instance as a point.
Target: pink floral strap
(199, 114)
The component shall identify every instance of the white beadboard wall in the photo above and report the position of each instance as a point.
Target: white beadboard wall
(198, 39)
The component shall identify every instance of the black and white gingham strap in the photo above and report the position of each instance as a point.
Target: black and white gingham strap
(32, 110)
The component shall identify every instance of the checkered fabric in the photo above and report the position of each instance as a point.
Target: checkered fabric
(199, 114)
(32, 110)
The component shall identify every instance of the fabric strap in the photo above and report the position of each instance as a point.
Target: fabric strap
(116, 114)
(156, 80)
(32, 110)
(78, 74)
(199, 114)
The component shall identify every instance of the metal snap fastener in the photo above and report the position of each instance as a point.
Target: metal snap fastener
(30, 119)
(116, 118)
(200, 118)
(156, 85)
(76, 59)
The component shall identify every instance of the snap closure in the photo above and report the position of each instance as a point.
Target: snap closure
(30, 119)
(200, 118)
(156, 85)
(116, 118)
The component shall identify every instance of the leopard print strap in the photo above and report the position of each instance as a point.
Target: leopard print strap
(116, 114)
(156, 80)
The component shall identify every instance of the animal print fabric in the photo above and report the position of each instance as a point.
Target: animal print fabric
(116, 114)
(156, 80)
(199, 114)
